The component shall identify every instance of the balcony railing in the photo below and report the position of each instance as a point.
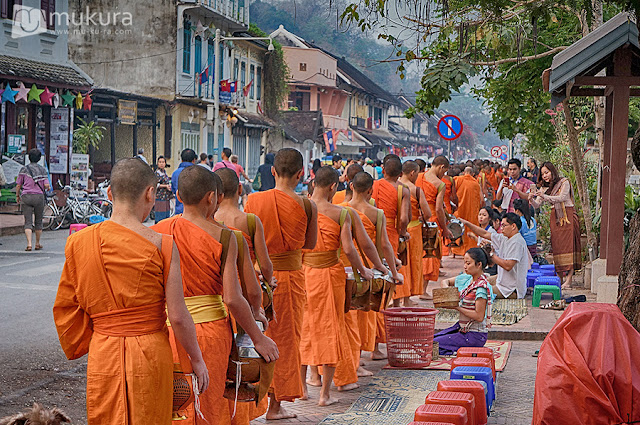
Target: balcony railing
(335, 122)
(228, 8)
(358, 122)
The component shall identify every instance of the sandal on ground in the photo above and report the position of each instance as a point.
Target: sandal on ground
(536, 353)
(38, 247)
(555, 305)
(576, 299)
(28, 248)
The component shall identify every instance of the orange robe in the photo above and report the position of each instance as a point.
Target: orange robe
(493, 180)
(448, 181)
(415, 248)
(110, 269)
(386, 196)
(285, 226)
(471, 200)
(324, 334)
(431, 266)
(200, 264)
(339, 197)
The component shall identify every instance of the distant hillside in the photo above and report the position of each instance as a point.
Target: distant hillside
(314, 21)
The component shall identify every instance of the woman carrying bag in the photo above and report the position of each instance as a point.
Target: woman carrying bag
(31, 186)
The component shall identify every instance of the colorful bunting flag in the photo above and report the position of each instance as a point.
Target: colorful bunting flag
(23, 92)
(204, 76)
(233, 86)
(245, 90)
(68, 98)
(225, 86)
(46, 96)
(8, 95)
(34, 93)
(79, 101)
(86, 102)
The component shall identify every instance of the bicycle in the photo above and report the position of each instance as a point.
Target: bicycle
(101, 202)
(67, 207)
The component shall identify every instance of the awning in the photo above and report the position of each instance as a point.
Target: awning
(30, 71)
(356, 140)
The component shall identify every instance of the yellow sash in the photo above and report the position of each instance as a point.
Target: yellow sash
(205, 308)
(320, 259)
(288, 260)
(414, 223)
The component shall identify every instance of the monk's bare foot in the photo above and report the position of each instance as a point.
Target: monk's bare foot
(281, 413)
(442, 273)
(364, 372)
(305, 394)
(426, 297)
(348, 387)
(378, 355)
(327, 401)
(408, 303)
(361, 363)
(314, 382)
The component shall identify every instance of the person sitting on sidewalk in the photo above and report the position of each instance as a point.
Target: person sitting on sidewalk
(476, 298)
(514, 259)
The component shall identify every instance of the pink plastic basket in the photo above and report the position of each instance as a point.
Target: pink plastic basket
(409, 336)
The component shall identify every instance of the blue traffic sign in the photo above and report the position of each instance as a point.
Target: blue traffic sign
(503, 157)
(450, 127)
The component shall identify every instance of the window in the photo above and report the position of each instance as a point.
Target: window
(243, 74)
(259, 83)
(198, 55)
(252, 75)
(235, 69)
(303, 67)
(211, 56)
(186, 48)
(6, 8)
(49, 8)
(300, 100)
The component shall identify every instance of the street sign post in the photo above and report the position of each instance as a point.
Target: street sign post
(450, 127)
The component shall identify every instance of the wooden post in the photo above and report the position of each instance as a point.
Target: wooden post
(619, 136)
(606, 175)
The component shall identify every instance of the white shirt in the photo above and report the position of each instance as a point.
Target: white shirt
(513, 248)
(482, 240)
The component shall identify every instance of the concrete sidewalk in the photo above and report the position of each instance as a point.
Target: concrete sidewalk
(11, 224)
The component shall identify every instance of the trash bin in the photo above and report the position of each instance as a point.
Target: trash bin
(409, 336)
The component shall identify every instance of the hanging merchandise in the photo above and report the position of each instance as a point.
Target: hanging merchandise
(46, 97)
(68, 98)
(86, 102)
(9, 95)
(79, 101)
(56, 100)
(23, 92)
(34, 93)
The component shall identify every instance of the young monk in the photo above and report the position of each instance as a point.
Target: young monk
(324, 334)
(345, 195)
(394, 199)
(470, 201)
(291, 225)
(117, 278)
(434, 190)
(419, 210)
(372, 219)
(209, 285)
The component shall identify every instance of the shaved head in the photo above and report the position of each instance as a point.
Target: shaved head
(362, 182)
(288, 162)
(409, 167)
(326, 176)
(422, 164)
(469, 170)
(440, 160)
(392, 166)
(195, 183)
(353, 169)
(230, 181)
(130, 178)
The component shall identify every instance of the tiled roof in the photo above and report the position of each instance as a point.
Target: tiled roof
(302, 125)
(15, 68)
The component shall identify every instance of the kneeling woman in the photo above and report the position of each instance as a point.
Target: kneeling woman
(475, 306)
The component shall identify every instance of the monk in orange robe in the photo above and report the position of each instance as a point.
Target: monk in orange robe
(419, 211)
(344, 196)
(199, 243)
(471, 201)
(394, 199)
(252, 229)
(450, 205)
(434, 190)
(371, 329)
(491, 177)
(291, 225)
(117, 278)
(324, 335)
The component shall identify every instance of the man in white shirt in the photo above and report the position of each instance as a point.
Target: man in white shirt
(514, 260)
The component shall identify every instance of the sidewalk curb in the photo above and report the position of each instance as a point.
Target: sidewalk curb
(515, 335)
(13, 230)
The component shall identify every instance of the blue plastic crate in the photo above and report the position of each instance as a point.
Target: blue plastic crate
(532, 275)
(548, 280)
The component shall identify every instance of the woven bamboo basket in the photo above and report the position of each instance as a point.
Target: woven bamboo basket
(446, 297)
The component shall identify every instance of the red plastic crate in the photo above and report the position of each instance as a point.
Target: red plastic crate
(456, 415)
(474, 388)
(409, 333)
(453, 398)
(476, 362)
(485, 352)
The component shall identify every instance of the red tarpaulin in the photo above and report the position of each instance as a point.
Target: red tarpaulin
(589, 369)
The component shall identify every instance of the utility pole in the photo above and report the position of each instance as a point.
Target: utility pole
(216, 90)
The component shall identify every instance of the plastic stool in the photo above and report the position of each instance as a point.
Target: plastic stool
(474, 361)
(76, 227)
(548, 280)
(479, 374)
(548, 270)
(532, 275)
(535, 266)
(485, 352)
(477, 389)
(456, 415)
(452, 398)
(539, 289)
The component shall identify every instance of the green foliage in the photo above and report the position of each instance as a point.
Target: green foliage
(276, 74)
(87, 134)
(631, 206)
